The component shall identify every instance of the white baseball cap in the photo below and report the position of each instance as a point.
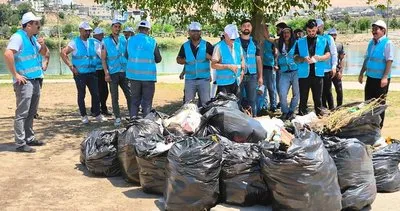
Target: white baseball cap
(380, 23)
(332, 31)
(319, 22)
(144, 24)
(115, 21)
(128, 29)
(98, 30)
(232, 31)
(195, 26)
(85, 25)
(29, 16)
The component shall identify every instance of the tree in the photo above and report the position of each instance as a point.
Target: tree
(211, 11)
(96, 21)
(5, 13)
(24, 8)
(394, 23)
(61, 15)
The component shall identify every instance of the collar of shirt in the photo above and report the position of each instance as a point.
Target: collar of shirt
(379, 40)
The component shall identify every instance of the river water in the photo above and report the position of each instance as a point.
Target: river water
(353, 62)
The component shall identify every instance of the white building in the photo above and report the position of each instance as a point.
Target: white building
(37, 5)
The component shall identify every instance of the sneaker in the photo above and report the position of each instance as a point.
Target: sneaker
(25, 148)
(85, 120)
(283, 117)
(36, 143)
(290, 115)
(117, 122)
(101, 118)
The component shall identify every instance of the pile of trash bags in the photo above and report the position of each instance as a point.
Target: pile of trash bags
(386, 167)
(353, 161)
(197, 158)
(303, 177)
(99, 153)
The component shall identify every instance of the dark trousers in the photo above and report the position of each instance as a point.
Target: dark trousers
(90, 80)
(339, 90)
(327, 97)
(373, 89)
(316, 85)
(142, 94)
(103, 90)
(119, 80)
(229, 89)
(248, 89)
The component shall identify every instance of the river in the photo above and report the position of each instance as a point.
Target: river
(354, 59)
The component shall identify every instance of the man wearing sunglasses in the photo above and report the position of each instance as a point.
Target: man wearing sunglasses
(195, 54)
(83, 67)
(23, 60)
(378, 65)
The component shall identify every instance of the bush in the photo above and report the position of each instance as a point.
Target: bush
(297, 23)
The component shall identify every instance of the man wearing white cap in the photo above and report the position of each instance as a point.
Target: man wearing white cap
(228, 61)
(98, 35)
(196, 54)
(330, 70)
(143, 54)
(128, 32)
(22, 60)
(378, 65)
(83, 67)
(114, 64)
(337, 80)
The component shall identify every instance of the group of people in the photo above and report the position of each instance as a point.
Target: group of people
(256, 71)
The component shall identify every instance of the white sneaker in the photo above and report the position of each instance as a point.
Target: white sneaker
(117, 122)
(85, 120)
(101, 118)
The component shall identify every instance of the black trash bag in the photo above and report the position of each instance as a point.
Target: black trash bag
(126, 146)
(221, 100)
(82, 156)
(241, 180)
(386, 167)
(355, 171)
(157, 117)
(151, 155)
(302, 178)
(234, 125)
(193, 171)
(206, 130)
(101, 153)
(365, 128)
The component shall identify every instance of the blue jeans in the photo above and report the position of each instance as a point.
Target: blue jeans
(269, 76)
(248, 90)
(142, 94)
(201, 86)
(91, 81)
(288, 79)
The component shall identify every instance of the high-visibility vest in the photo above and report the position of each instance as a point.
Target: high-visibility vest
(304, 67)
(116, 54)
(97, 60)
(376, 61)
(199, 66)
(141, 61)
(27, 61)
(250, 56)
(286, 62)
(227, 76)
(85, 58)
(268, 59)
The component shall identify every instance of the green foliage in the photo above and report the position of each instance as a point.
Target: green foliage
(169, 28)
(61, 15)
(13, 29)
(341, 26)
(394, 23)
(68, 28)
(96, 21)
(24, 8)
(363, 24)
(297, 23)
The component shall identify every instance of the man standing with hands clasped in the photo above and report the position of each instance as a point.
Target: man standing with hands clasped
(22, 58)
(195, 54)
(378, 65)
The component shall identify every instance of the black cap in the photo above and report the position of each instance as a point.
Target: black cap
(282, 25)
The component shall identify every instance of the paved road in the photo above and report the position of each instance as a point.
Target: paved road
(175, 79)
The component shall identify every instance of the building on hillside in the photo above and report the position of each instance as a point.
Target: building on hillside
(37, 5)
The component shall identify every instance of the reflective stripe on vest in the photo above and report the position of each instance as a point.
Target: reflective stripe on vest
(376, 61)
(27, 61)
(97, 59)
(116, 55)
(227, 76)
(304, 67)
(250, 55)
(328, 62)
(268, 58)
(141, 62)
(198, 67)
(286, 62)
(85, 58)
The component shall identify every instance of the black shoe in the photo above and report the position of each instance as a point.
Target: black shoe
(25, 148)
(283, 117)
(278, 105)
(290, 115)
(36, 143)
(106, 113)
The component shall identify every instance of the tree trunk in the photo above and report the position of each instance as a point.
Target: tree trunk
(258, 22)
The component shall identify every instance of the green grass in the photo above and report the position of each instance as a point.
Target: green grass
(355, 78)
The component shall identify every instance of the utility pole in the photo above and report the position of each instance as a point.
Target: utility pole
(387, 16)
(58, 35)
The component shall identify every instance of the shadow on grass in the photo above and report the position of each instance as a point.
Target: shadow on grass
(170, 107)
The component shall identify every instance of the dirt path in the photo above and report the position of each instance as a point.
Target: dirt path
(53, 179)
